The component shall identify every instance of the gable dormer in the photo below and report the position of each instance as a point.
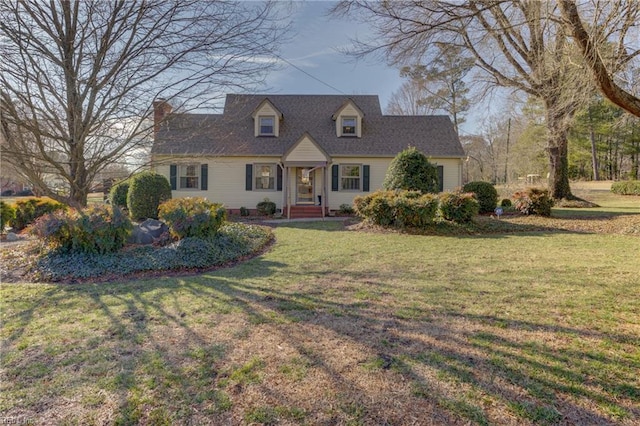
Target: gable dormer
(266, 119)
(348, 120)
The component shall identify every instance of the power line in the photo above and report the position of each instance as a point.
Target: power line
(309, 75)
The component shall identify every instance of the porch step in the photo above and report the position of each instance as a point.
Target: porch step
(300, 212)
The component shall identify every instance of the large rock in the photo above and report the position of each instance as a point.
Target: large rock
(11, 237)
(148, 231)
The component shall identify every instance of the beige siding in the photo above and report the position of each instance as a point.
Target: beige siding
(265, 111)
(306, 151)
(349, 111)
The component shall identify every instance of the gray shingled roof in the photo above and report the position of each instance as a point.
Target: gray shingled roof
(232, 133)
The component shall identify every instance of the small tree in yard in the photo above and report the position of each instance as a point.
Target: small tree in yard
(412, 171)
(147, 190)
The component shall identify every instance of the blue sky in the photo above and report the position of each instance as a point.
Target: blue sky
(315, 49)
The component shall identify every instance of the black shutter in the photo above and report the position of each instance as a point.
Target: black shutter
(335, 177)
(365, 178)
(248, 184)
(204, 177)
(278, 178)
(173, 176)
(440, 178)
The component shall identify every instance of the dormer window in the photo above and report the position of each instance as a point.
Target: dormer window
(349, 126)
(267, 126)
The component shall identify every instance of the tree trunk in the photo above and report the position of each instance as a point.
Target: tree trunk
(558, 158)
(594, 152)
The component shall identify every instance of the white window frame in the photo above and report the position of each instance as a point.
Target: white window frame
(183, 173)
(273, 125)
(355, 126)
(350, 177)
(257, 174)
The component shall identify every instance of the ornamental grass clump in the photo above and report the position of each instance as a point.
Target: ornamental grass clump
(192, 217)
(459, 207)
(533, 201)
(96, 229)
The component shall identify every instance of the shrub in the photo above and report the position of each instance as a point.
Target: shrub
(192, 217)
(244, 211)
(118, 194)
(30, 209)
(506, 202)
(96, 229)
(411, 170)
(7, 214)
(147, 190)
(458, 207)
(626, 187)
(397, 208)
(345, 209)
(266, 207)
(485, 193)
(533, 201)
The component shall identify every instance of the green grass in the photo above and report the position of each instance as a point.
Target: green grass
(342, 327)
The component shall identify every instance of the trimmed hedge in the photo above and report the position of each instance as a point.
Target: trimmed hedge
(402, 209)
(485, 193)
(506, 202)
(96, 229)
(7, 214)
(533, 201)
(266, 207)
(147, 190)
(192, 217)
(626, 187)
(118, 194)
(459, 207)
(411, 170)
(30, 209)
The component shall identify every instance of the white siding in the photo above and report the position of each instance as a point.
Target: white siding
(306, 151)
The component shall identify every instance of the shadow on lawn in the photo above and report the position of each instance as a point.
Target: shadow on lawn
(185, 376)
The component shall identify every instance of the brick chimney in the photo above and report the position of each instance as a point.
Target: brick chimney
(161, 109)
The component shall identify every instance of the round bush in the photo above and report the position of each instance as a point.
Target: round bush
(485, 193)
(96, 229)
(30, 209)
(118, 194)
(533, 201)
(458, 207)
(7, 214)
(411, 170)
(506, 202)
(266, 207)
(192, 217)
(147, 190)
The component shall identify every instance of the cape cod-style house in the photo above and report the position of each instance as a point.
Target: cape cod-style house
(307, 153)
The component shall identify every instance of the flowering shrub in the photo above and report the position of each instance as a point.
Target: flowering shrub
(192, 217)
(96, 229)
(459, 207)
(533, 201)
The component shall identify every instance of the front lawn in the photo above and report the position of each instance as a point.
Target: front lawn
(335, 326)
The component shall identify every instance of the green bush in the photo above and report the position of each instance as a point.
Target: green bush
(458, 207)
(345, 209)
(244, 211)
(192, 217)
(96, 229)
(485, 193)
(30, 209)
(411, 170)
(626, 187)
(506, 202)
(397, 208)
(533, 201)
(118, 194)
(7, 214)
(266, 207)
(147, 190)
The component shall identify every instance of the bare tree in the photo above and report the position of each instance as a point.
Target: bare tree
(611, 21)
(78, 77)
(407, 99)
(518, 44)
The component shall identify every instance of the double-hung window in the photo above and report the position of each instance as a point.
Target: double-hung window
(350, 175)
(264, 176)
(267, 125)
(189, 176)
(349, 126)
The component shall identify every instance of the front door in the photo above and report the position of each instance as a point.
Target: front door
(304, 185)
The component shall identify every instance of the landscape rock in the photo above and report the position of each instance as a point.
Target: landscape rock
(148, 231)
(11, 237)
